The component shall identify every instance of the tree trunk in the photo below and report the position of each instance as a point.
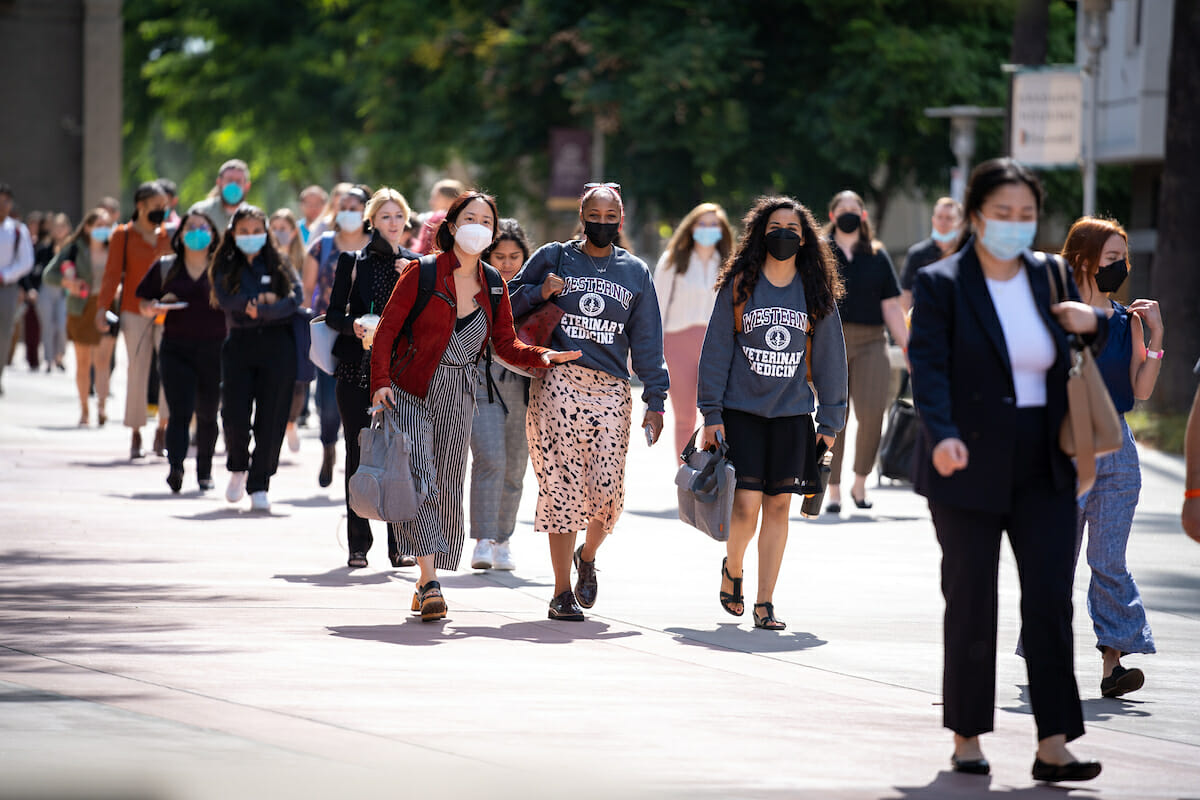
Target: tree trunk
(1176, 279)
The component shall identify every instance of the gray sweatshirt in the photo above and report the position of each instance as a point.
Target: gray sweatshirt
(761, 370)
(609, 317)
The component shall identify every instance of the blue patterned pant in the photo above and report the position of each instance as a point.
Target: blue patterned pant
(1114, 603)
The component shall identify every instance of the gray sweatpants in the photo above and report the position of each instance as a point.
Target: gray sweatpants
(499, 454)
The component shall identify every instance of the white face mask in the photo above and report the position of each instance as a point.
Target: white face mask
(473, 239)
(350, 220)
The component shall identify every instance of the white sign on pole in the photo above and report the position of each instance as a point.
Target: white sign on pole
(1047, 117)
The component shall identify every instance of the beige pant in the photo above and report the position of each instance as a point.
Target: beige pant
(870, 376)
(142, 338)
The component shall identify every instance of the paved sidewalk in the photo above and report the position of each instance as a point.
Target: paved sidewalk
(180, 647)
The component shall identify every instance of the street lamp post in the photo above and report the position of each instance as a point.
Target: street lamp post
(1095, 18)
(962, 139)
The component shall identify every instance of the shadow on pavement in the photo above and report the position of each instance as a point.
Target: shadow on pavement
(25, 558)
(116, 462)
(1095, 709)
(229, 512)
(338, 576)
(950, 785)
(413, 632)
(669, 513)
(732, 636)
(315, 501)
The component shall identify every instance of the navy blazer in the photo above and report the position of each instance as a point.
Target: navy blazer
(962, 380)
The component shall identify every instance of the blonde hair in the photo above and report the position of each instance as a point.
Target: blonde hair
(295, 248)
(383, 196)
(681, 244)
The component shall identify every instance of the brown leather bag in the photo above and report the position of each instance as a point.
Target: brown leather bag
(1091, 427)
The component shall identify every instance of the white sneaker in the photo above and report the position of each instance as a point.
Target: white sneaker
(502, 558)
(482, 557)
(237, 486)
(293, 438)
(259, 501)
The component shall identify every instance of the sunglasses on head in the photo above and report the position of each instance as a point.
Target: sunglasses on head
(616, 187)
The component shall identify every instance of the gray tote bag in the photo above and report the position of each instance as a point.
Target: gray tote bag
(383, 487)
(705, 484)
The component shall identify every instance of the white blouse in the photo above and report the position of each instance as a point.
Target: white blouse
(686, 300)
(1031, 349)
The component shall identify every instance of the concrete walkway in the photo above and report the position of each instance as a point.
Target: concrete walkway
(180, 647)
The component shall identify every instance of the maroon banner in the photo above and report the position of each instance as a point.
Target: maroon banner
(570, 154)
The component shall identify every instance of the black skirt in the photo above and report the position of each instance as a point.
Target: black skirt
(772, 455)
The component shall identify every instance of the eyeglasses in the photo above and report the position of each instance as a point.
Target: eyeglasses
(616, 187)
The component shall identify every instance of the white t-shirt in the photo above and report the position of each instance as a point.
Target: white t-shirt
(686, 300)
(1031, 349)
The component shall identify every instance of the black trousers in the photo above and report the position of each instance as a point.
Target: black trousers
(258, 368)
(353, 402)
(1041, 531)
(191, 381)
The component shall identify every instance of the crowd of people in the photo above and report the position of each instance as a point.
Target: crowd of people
(769, 333)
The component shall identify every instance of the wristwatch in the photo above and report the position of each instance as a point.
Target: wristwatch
(1155, 354)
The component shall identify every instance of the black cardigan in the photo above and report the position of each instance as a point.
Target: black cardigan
(377, 255)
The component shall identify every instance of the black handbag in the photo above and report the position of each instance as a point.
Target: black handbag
(897, 447)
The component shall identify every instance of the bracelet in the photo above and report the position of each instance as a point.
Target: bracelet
(1155, 354)
(1191, 494)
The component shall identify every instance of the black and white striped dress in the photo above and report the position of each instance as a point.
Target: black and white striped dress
(447, 409)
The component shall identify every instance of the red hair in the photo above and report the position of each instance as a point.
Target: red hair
(1085, 244)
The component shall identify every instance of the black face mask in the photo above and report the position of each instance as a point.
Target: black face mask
(782, 244)
(848, 222)
(156, 216)
(1110, 277)
(601, 234)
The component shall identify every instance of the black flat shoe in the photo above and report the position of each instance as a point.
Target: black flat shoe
(205, 484)
(357, 560)
(767, 621)
(971, 766)
(565, 608)
(1075, 771)
(730, 599)
(833, 508)
(175, 479)
(1122, 681)
(585, 585)
(864, 503)
(399, 560)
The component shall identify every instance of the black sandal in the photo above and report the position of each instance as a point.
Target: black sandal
(727, 599)
(433, 605)
(767, 622)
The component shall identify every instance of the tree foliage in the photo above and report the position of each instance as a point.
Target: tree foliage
(697, 99)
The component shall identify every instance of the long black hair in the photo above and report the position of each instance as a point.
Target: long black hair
(814, 261)
(228, 261)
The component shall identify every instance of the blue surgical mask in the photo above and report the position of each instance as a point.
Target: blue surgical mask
(706, 236)
(197, 239)
(101, 234)
(251, 243)
(232, 193)
(1005, 240)
(944, 238)
(350, 220)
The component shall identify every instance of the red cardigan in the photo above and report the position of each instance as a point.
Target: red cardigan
(433, 328)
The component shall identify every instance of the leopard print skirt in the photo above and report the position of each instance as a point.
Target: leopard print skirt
(578, 429)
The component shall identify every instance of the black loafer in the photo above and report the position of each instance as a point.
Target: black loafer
(585, 585)
(357, 560)
(1122, 681)
(971, 766)
(565, 608)
(833, 508)
(1075, 771)
(175, 479)
(400, 560)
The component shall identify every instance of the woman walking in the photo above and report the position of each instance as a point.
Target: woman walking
(364, 283)
(776, 309)
(870, 306)
(289, 240)
(580, 415)
(134, 248)
(1098, 252)
(190, 355)
(499, 449)
(79, 270)
(990, 355)
(51, 303)
(684, 281)
(259, 292)
(350, 233)
(430, 383)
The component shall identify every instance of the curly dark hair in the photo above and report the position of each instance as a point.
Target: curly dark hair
(814, 261)
(228, 261)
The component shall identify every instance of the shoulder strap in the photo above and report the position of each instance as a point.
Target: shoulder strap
(16, 239)
(495, 284)
(325, 246)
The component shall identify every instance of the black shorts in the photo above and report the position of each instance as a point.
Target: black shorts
(772, 455)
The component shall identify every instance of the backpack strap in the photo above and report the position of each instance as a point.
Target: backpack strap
(495, 286)
(164, 266)
(426, 279)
